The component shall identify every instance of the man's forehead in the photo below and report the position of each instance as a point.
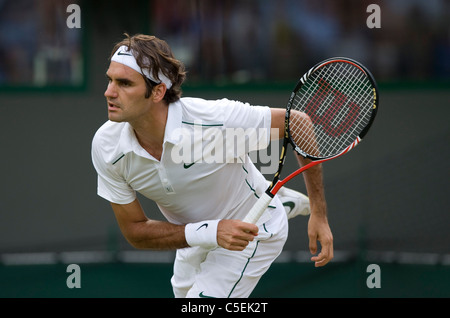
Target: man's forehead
(120, 70)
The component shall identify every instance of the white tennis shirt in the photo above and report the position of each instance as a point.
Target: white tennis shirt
(202, 173)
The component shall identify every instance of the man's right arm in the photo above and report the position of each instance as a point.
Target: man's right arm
(144, 233)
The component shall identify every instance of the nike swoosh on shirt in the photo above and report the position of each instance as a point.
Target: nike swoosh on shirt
(201, 295)
(188, 165)
(123, 53)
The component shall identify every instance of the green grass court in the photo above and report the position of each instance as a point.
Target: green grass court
(284, 280)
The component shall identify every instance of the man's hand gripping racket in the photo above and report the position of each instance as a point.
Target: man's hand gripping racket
(329, 112)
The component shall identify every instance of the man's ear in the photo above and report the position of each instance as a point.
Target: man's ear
(158, 93)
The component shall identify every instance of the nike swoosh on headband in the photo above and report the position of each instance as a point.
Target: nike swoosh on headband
(124, 53)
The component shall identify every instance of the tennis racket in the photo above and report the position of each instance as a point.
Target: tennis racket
(329, 112)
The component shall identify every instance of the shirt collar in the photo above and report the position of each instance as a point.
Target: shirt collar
(172, 132)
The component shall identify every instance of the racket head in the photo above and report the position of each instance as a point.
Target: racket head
(331, 108)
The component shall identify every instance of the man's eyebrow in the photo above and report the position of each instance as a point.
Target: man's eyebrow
(121, 80)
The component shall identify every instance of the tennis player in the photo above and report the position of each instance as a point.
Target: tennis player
(203, 201)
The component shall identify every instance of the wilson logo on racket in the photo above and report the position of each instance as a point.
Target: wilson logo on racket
(332, 120)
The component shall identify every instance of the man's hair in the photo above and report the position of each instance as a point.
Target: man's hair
(155, 55)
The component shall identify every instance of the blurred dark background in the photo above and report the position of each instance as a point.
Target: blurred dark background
(388, 199)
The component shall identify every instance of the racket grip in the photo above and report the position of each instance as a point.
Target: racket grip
(258, 209)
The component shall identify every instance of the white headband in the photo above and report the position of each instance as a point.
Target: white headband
(125, 57)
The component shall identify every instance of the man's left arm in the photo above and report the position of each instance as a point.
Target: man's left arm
(318, 227)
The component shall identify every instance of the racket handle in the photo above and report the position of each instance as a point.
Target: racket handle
(258, 209)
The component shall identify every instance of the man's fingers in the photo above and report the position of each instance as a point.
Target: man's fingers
(246, 233)
(235, 235)
(313, 244)
(325, 255)
(250, 228)
(320, 260)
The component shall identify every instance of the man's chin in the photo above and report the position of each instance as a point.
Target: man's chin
(113, 118)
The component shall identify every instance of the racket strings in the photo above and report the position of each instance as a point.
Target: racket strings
(355, 76)
(338, 98)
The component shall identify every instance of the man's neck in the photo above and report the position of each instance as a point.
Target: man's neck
(150, 130)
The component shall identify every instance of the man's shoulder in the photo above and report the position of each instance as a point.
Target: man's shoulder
(106, 145)
(108, 134)
(194, 102)
(199, 109)
(109, 129)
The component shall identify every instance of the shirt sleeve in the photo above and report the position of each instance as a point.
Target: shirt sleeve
(250, 125)
(110, 184)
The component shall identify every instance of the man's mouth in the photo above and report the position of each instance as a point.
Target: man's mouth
(112, 106)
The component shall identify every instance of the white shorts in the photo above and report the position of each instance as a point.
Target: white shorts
(221, 273)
